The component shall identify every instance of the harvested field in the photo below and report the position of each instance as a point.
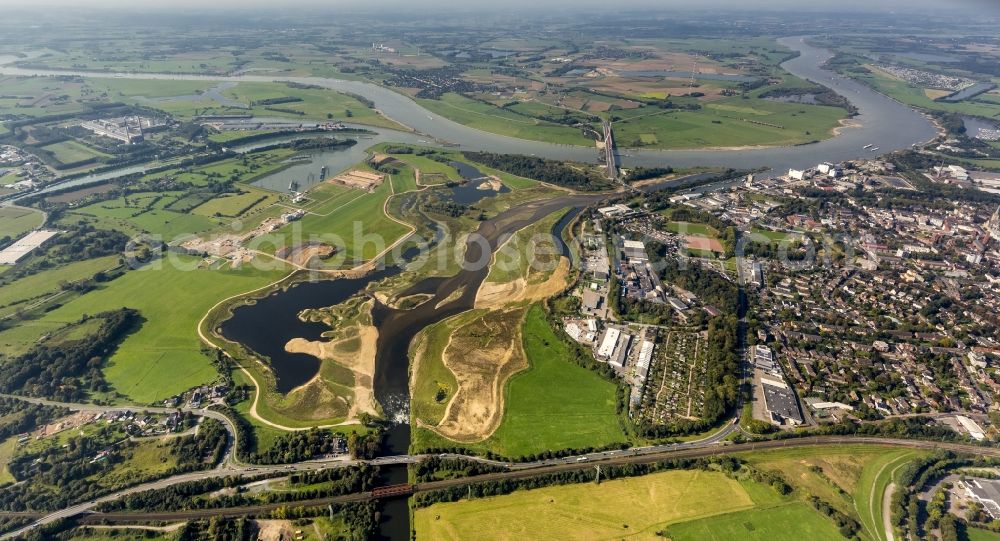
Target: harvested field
(76, 195)
(482, 355)
(364, 180)
(694, 242)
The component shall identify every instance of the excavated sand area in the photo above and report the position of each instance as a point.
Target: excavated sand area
(482, 355)
(496, 295)
(359, 360)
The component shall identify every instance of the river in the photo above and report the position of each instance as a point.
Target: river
(882, 121)
(267, 325)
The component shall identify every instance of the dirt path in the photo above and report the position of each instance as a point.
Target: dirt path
(887, 511)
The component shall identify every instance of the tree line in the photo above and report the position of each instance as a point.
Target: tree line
(541, 169)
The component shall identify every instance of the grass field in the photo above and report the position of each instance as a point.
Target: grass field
(432, 384)
(731, 122)
(723, 123)
(979, 534)
(688, 228)
(44, 283)
(527, 249)
(346, 217)
(680, 505)
(235, 205)
(146, 212)
(16, 221)
(775, 237)
(538, 416)
(438, 171)
(791, 522)
(578, 412)
(163, 357)
(7, 448)
(914, 95)
(871, 487)
(496, 120)
(160, 88)
(634, 508)
(72, 151)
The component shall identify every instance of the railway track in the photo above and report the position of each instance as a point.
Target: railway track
(626, 457)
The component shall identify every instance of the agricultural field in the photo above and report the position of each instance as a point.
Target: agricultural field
(631, 508)
(163, 357)
(673, 389)
(688, 505)
(16, 221)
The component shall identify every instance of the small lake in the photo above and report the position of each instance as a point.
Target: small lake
(472, 190)
(268, 324)
(974, 124)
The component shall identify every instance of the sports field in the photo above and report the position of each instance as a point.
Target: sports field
(775, 237)
(16, 221)
(632, 508)
(164, 356)
(689, 228)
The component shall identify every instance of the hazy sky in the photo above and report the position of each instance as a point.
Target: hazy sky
(983, 6)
